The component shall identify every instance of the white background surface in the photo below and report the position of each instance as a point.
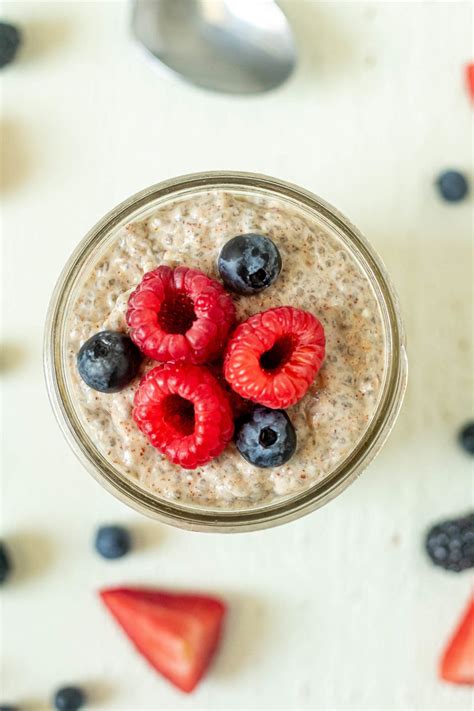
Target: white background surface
(340, 610)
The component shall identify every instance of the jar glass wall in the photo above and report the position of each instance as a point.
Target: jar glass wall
(61, 391)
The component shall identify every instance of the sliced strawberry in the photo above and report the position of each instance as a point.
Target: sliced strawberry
(457, 662)
(177, 633)
(470, 79)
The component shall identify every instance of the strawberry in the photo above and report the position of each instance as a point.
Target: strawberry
(177, 633)
(470, 79)
(457, 662)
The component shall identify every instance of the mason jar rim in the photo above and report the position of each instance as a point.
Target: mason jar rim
(200, 519)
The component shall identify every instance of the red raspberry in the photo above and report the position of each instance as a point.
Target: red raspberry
(239, 406)
(184, 412)
(274, 356)
(180, 315)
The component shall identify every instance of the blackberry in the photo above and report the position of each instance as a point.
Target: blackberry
(450, 544)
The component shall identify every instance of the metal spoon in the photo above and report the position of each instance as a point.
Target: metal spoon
(234, 46)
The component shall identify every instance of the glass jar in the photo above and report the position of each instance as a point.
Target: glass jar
(196, 517)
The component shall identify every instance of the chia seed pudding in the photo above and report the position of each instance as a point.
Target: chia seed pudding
(318, 274)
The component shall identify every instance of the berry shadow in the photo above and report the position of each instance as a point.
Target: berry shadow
(244, 639)
(15, 154)
(33, 704)
(12, 356)
(42, 37)
(98, 691)
(31, 554)
(146, 535)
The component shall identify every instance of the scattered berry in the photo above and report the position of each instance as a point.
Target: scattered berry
(466, 437)
(267, 438)
(274, 356)
(5, 563)
(10, 40)
(184, 412)
(108, 361)
(249, 263)
(113, 542)
(69, 698)
(450, 544)
(457, 662)
(470, 79)
(177, 633)
(180, 315)
(452, 185)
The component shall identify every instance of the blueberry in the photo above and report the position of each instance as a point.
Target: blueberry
(108, 361)
(5, 563)
(10, 40)
(266, 438)
(466, 437)
(452, 185)
(112, 542)
(69, 698)
(249, 263)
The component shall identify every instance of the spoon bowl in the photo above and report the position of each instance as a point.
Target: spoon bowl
(233, 46)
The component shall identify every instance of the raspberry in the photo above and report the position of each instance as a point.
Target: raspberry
(184, 412)
(274, 356)
(238, 405)
(179, 315)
